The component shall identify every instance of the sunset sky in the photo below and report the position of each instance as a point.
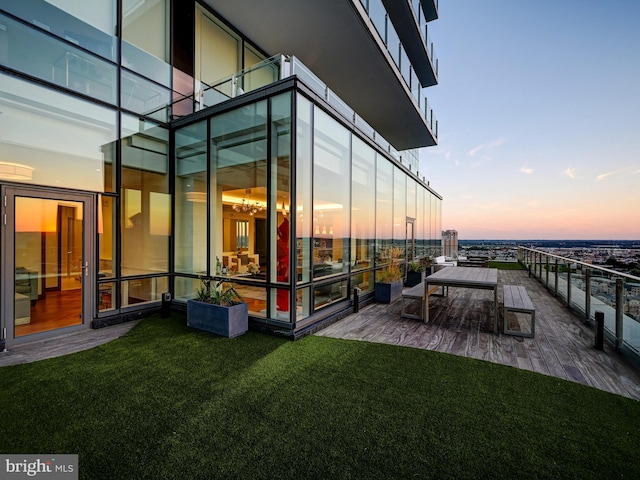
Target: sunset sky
(539, 119)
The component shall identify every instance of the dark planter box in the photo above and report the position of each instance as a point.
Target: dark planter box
(225, 321)
(414, 278)
(388, 292)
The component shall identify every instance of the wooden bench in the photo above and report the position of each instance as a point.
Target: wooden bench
(417, 292)
(516, 299)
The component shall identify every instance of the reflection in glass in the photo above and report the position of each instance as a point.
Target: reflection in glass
(331, 199)
(384, 206)
(363, 198)
(144, 97)
(32, 52)
(145, 38)
(106, 236)
(145, 198)
(143, 290)
(191, 199)
(328, 293)
(58, 138)
(90, 28)
(303, 189)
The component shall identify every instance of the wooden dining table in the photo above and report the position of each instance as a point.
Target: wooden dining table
(466, 277)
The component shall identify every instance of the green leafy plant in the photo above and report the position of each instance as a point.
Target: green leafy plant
(415, 267)
(221, 293)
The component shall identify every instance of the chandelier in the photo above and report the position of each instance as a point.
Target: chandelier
(250, 208)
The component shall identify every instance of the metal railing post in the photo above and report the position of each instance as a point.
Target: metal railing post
(547, 272)
(587, 294)
(555, 292)
(599, 330)
(569, 285)
(619, 311)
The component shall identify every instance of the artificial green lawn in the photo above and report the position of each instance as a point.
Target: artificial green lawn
(506, 265)
(166, 401)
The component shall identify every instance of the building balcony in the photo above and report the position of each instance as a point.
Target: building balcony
(462, 324)
(412, 32)
(343, 44)
(280, 67)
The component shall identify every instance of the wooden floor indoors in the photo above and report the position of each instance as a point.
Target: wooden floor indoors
(461, 324)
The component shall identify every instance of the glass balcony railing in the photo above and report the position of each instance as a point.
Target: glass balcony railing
(279, 67)
(588, 289)
(378, 15)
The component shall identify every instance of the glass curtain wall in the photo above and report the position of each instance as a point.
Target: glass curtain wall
(145, 216)
(384, 209)
(145, 39)
(331, 205)
(190, 236)
(279, 204)
(363, 198)
(238, 197)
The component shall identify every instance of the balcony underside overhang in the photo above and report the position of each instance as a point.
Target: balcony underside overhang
(332, 38)
(408, 30)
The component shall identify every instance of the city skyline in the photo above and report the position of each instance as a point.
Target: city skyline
(538, 127)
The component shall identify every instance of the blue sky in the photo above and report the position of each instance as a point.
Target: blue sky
(538, 105)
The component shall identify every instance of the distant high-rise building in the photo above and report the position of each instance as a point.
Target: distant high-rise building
(450, 243)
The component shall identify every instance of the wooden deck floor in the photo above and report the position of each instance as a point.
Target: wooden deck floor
(461, 324)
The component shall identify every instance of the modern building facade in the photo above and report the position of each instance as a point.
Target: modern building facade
(145, 144)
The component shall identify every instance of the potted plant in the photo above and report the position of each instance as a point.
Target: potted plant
(218, 309)
(417, 270)
(415, 274)
(388, 285)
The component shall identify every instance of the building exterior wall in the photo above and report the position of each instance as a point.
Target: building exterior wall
(89, 104)
(450, 243)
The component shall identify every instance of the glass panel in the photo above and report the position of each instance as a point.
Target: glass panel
(145, 198)
(34, 53)
(218, 49)
(303, 297)
(252, 56)
(106, 236)
(363, 235)
(363, 281)
(411, 197)
(256, 299)
(378, 15)
(384, 206)
(279, 198)
(329, 293)
(145, 38)
(49, 138)
(303, 189)
(89, 25)
(143, 290)
(49, 263)
(279, 297)
(185, 288)
(239, 189)
(191, 199)
(331, 195)
(144, 97)
(107, 296)
(399, 208)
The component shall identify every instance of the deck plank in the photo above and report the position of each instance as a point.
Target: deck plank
(462, 324)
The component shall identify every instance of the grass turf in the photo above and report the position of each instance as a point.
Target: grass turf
(166, 401)
(506, 265)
